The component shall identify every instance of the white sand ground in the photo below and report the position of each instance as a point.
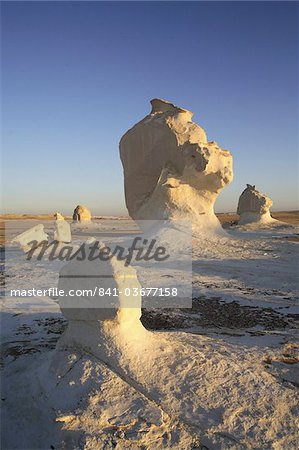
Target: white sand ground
(200, 380)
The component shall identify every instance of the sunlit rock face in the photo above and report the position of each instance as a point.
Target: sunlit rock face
(171, 171)
(81, 214)
(254, 206)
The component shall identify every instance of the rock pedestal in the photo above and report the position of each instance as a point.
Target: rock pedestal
(171, 171)
(102, 308)
(62, 232)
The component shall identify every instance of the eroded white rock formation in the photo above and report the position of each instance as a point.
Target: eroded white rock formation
(254, 207)
(105, 323)
(81, 214)
(171, 170)
(62, 232)
(58, 216)
(35, 235)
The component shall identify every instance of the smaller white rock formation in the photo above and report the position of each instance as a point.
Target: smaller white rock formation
(254, 207)
(35, 234)
(107, 323)
(58, 216)
(62, 232)
(81, 214)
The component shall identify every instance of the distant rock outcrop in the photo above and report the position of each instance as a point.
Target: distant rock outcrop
(254, 206)
(171, 171)
(58, 216)
(81, 214)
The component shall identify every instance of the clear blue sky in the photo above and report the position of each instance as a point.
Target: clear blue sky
(77, 75)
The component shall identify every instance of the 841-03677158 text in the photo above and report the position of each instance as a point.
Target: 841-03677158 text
(97, 291)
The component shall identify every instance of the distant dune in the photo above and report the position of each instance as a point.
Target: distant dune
(51, 217)
(291, 217)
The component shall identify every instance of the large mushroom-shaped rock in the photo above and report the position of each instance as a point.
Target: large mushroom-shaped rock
(81, 214)
(171, 171)
(254, 207)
